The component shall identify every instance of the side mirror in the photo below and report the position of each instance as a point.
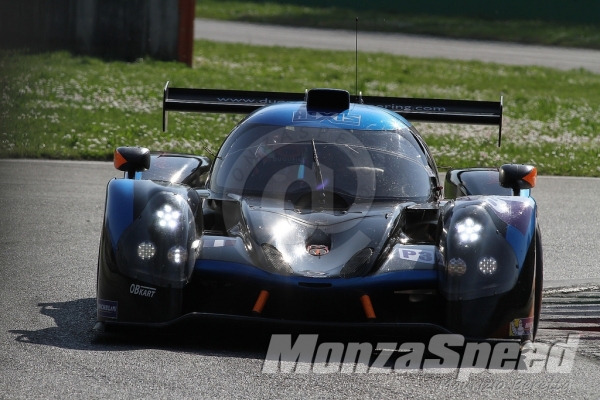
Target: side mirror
(517, 177)
(131, 160)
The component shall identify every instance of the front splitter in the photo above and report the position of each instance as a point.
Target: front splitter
(198, 323)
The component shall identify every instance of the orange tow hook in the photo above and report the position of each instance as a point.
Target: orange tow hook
(367, 306)
(260, 302)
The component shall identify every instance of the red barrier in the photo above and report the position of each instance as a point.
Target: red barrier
(185, 42)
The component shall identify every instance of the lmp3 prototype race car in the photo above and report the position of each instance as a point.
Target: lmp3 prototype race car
(321, 210)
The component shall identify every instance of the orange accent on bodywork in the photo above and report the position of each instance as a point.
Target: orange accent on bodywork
(531, 177)
(260, 302)
(367, 306)
(118, 160)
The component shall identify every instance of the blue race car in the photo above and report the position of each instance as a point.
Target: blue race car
(321, 210)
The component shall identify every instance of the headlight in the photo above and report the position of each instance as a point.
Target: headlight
(146, 250)
(177, 255)
(168, 217)
(456, 267)
(468, 230)
(488, 265)
(157, 248)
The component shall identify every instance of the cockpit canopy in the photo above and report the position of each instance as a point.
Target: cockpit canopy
(291, 161)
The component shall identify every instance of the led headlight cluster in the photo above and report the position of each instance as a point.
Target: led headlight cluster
(468, 230)
(167, 217)
(456, 267)
(177, 255)
(146, 250)
(488, 265)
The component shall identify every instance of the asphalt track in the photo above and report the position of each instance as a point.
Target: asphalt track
(50, 221)
(400, 44)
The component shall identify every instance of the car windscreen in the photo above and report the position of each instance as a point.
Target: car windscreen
(268, 160)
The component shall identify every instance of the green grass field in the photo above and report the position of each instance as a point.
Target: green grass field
(55, 105)
(535, 32)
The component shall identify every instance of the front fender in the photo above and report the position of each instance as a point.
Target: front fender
(484, 243)
(152, 230)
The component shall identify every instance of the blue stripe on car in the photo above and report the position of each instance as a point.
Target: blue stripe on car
(119, 208)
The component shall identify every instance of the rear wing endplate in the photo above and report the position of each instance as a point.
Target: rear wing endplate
(413, 109)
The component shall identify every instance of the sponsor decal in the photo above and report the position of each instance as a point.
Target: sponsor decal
(107, 308)
(266, 100)
(424, 256)
(317, 250)
(219, 243)
(521, 327)
(444, 354)
(143, 291)
(331, 117)
(399, 107)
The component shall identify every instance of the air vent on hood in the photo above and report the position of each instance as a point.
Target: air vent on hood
(358, 264)
(277, 264)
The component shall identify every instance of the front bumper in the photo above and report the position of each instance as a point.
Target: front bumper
(227, 294)
(233, 289)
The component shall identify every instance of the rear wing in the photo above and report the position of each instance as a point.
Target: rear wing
(413, 109)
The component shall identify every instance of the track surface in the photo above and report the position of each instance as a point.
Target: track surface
(409, 45)
(50, 220)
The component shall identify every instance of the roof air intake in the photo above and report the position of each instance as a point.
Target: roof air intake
(333, 100)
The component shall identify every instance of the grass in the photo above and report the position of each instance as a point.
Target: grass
(56, 105)
(533, 32)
